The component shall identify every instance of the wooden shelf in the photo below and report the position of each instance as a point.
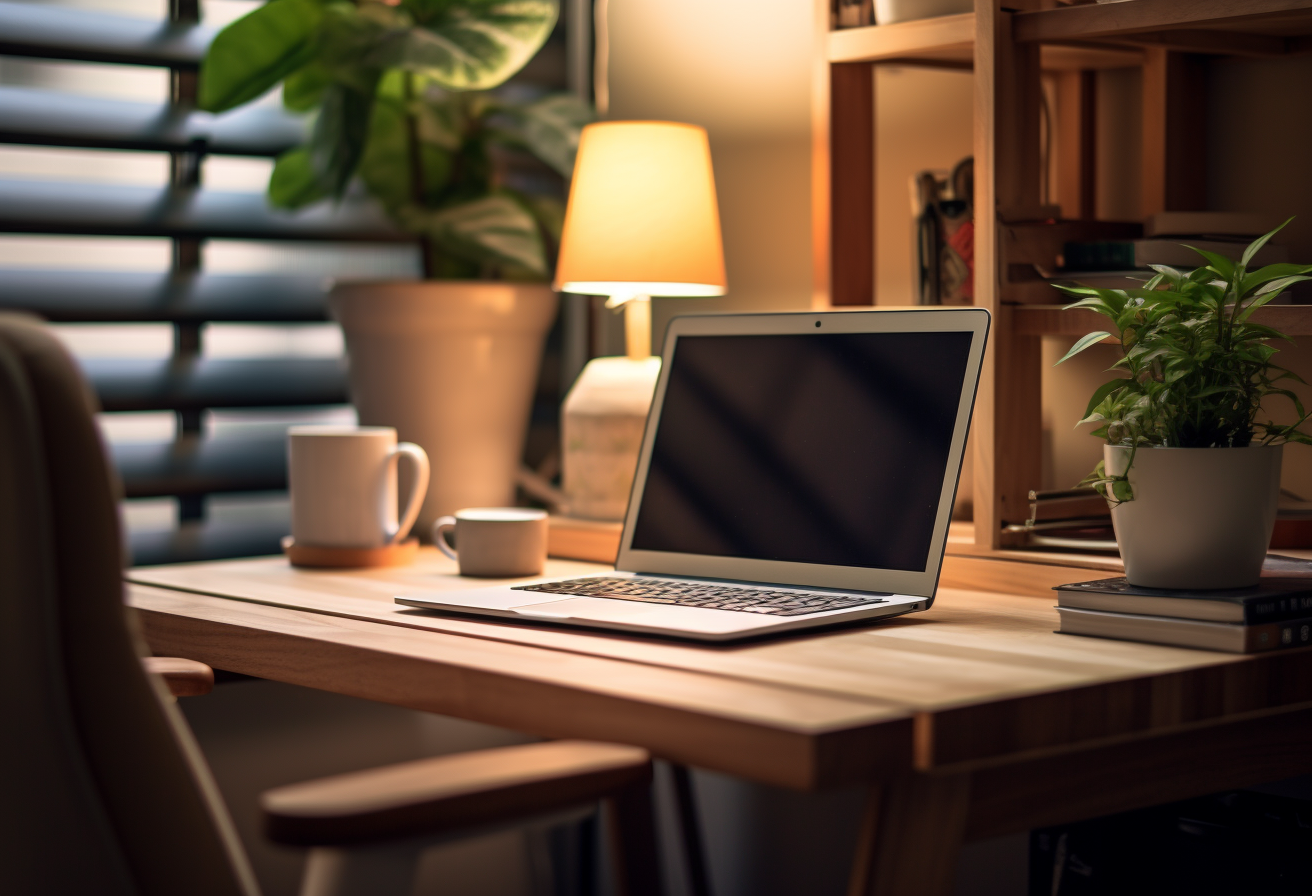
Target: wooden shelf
(1247, 27)
(949, 42)
(1022, 234)
(1050, 320)
(941, 39)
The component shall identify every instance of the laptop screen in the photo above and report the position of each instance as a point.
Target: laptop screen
(816, 448)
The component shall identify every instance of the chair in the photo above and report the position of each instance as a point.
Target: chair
(103, 790)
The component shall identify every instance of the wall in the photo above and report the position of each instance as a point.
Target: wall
(924, 120)
(741, 70)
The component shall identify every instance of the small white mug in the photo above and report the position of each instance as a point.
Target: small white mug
(496, 542)
(343, 485)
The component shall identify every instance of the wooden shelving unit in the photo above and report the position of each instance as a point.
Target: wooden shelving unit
(1008, 50)
(1050, 320)
(949, 42)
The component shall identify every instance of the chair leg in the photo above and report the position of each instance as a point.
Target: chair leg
(694, 853)
(633, 840)
(384, 870)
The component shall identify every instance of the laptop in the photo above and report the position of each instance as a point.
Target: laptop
(797, 470)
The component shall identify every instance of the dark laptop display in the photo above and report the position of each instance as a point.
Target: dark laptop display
(827, 449)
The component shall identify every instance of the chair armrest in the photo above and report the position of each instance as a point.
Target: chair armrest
(448, 793)
(185, 678)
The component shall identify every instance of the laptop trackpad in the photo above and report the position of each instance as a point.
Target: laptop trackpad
(585, 608)
(635, 613)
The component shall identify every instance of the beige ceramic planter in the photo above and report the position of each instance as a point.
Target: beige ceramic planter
(453, 366)
(1201, 518)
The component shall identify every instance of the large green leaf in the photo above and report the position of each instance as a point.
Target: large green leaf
(495, 229)
(294, 182)
(303, 89)
(550, 129)
(340, 133)
(386, 167)
(468, 45)
(254, 53)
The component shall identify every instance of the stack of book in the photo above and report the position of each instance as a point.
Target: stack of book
(1164, 242)
(1276, 613)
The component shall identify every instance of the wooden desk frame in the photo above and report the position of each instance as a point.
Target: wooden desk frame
(1065, 730)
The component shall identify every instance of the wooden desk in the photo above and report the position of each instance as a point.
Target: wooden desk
(969, 721)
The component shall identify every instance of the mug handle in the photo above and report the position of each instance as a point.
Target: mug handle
(418, 488)
(446, 522)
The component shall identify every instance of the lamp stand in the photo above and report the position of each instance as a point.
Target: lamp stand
(603, 418)
(637, 327)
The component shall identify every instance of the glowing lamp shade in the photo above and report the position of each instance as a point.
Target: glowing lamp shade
(642, 217)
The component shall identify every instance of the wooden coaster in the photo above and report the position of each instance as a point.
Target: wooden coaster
(399, 554)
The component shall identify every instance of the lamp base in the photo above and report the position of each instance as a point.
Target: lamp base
(601, 429)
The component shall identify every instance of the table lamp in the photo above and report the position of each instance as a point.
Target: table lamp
(642, 221)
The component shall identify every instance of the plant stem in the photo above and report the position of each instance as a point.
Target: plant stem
(414, 151)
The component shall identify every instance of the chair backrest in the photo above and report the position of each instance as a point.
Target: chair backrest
(102, 789)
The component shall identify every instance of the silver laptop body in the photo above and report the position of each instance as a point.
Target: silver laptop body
(797, 470)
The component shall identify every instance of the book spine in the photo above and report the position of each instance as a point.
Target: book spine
(1278, 635)
(1275, 609)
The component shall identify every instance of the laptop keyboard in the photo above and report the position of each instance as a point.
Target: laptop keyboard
(704, 595)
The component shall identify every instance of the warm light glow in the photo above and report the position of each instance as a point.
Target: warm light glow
(642, 216)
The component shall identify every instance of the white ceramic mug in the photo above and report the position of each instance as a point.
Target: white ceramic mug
(496, 542)
(343, 485)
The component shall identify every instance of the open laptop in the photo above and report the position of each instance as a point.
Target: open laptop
(797, 470)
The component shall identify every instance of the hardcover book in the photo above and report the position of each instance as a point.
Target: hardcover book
(1227, 636)
(1272, 600)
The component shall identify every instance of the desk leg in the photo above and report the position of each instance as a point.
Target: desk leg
(910, 837)
(633, 841)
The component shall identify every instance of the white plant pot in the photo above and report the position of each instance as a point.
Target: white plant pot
(1201, 518)
(452, 365)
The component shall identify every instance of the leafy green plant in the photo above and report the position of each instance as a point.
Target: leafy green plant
(1195, 367)
(402, 95)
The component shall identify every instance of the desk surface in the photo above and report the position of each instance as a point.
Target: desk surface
(980, 680)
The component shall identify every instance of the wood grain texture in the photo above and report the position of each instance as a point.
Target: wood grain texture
(982, 672)
(981, 573)
(903, 40)
(183, 678)
(593, 541)
(1051, 320)
(852, 184)
(449, 793)
(821, 170)
(1062, 789)
(912, 831)
(1007, 419)
(1117, 19)
(787, 736)
(948, 41)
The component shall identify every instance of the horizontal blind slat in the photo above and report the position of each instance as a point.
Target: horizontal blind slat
(51, 118)
(129, 296)
(134, 384)
(209, 540)
(52, 207)
(54, 32)
(198, 466)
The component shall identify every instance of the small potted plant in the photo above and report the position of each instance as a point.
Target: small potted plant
(404, 104)
(1192, 477)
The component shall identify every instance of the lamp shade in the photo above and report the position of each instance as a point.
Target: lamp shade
(642, 217)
